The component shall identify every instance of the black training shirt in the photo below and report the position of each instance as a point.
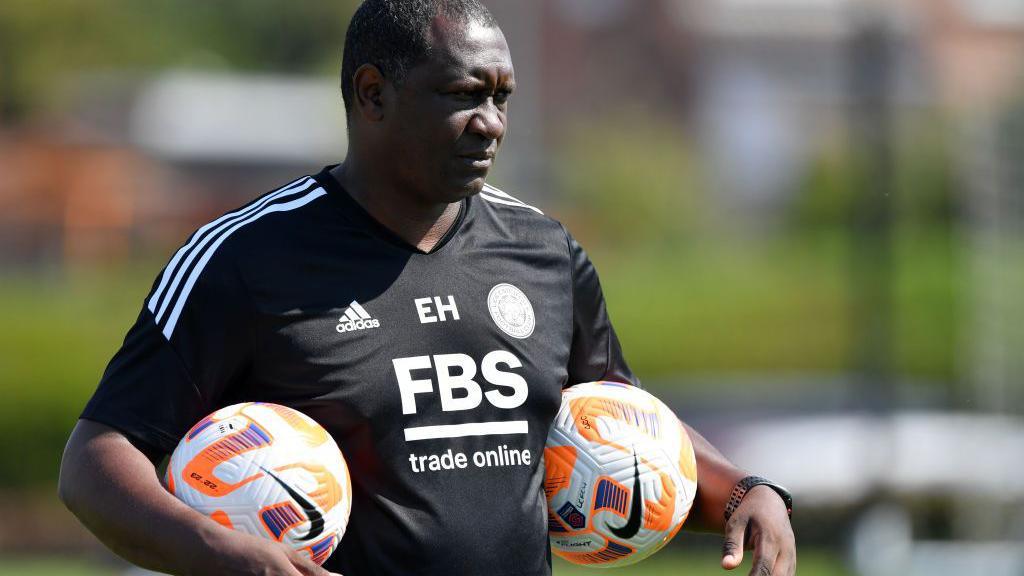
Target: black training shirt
(438, 374)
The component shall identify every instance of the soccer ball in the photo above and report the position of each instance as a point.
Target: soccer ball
(620, 475)
(265, 470)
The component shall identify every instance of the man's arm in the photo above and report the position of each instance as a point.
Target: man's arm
(113, 489)
(761, 521)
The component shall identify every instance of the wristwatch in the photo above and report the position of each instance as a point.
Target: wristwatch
(744, 486)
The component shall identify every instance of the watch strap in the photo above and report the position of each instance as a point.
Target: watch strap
(744, 486)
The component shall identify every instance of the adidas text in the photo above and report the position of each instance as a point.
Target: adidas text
(349, 326)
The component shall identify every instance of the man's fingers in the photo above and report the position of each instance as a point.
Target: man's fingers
(315, 570)
(319, 571)
(307, 567)
(761, 568)
(785, 565)
(765, 554)
(732, 548)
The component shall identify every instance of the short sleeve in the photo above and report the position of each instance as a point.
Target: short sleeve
(595, 353)
(189, 343)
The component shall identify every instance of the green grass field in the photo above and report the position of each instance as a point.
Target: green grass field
(812, 563)
(784, 305)
(53, 567)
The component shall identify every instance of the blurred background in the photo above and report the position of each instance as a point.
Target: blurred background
(807, 216)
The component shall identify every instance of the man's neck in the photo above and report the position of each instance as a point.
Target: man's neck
(420, 225)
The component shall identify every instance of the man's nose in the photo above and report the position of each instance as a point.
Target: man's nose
(488, 121)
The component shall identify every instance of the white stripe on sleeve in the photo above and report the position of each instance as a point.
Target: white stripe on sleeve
(179, 302)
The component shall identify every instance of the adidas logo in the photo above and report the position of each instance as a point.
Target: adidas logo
(356, 318)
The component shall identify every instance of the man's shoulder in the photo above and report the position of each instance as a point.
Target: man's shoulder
(501, 199)
(508, 211)
(232, 238)
(267, 215)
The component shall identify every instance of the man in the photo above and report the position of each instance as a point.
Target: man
(476, 310)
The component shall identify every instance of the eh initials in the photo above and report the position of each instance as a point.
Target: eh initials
(426, 311)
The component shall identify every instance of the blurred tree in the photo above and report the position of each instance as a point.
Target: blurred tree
(42, 43)
(924, 180)
(824, 199)
(633, 179)
(928, 316)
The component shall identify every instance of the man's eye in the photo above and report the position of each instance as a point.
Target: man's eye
(500, 97)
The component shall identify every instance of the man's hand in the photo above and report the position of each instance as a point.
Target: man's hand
(762, 523)
(245, 554)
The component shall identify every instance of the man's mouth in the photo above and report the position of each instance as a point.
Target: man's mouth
(478, 160)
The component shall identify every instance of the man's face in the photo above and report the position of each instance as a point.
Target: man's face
(449, 116)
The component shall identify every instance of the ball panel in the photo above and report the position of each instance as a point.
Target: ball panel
(559, 462)
(321, 550)
(280, 518)
(659, 514)
(169, 475)
(582, 542)
(316, 481)
(244, 521)
(312, 434)
(233, 438)
(612, 553)
(612, 496)
(615, 413)
(221, 517)
(687, 459)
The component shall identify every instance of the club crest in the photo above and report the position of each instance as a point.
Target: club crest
(511, 310)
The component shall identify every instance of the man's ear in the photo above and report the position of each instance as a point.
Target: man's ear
(368, 85)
